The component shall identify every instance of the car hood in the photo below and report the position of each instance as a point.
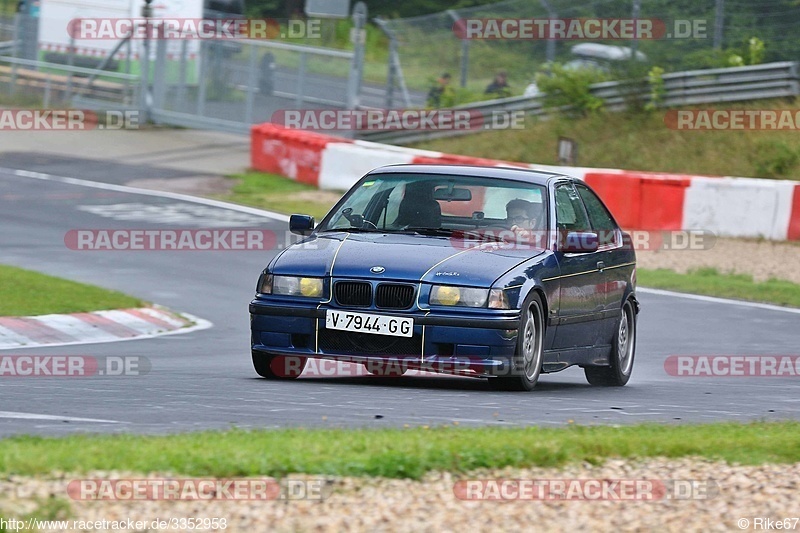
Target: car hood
(404, 257)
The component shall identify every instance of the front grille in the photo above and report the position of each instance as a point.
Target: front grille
(353, 293)
(394, 296)
(350, 343)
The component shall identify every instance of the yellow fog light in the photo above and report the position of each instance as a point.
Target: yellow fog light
(445, 295)
(311, 287)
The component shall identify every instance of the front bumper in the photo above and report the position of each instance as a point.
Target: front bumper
(479, 342)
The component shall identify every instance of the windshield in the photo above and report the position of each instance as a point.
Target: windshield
(439, 204)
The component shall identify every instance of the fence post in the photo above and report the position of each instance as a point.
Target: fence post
(551, 43)
(464, 49)
(160, 70)
(144, 76)
(182, 73)
(47, 88)
(301, 80)
(357, 67)
(252, 81)
(201, 79)
(70, 63)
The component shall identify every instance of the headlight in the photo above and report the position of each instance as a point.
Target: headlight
(461, 296)
(498, 299)
(292, 286)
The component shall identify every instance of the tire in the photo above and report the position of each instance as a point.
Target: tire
(527, 365)
(278, 366)
(623, 351)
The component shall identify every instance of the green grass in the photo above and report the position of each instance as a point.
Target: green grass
(710, 282)
(395, 453)
(642, 142)
(26, 293)
(277, 193)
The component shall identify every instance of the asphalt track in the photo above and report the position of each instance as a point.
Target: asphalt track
(204, 379)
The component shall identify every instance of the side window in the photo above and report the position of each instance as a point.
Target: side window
(570, 215)
(599, 216)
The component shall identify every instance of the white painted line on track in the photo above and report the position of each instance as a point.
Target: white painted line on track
(145, 192)
(716, 300)
(36, 416)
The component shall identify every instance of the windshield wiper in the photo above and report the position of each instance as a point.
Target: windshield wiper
(438, 232)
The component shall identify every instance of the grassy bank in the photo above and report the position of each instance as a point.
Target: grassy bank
(710, 282)
(400, 453)
(642, 142)
(26, 293)
(276, 193)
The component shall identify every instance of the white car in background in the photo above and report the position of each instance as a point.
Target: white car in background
(592, 56)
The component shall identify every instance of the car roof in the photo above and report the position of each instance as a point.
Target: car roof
(536, 177)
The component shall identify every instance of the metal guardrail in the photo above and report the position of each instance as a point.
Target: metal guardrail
(52, 79)
(712, 86)
(7, 47)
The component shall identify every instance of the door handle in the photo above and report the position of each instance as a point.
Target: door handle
(601, 265)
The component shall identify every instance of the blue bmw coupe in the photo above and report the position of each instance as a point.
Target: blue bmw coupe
(495, 273)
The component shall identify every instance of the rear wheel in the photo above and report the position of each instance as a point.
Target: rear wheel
(530, 348)
(623, 350)
(278, 366)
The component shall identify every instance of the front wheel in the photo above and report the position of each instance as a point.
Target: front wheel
(623, 350)
(527, 364)
(278, 366)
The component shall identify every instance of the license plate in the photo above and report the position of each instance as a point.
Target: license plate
(366, 323)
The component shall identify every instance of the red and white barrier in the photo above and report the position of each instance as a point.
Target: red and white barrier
(727, 206)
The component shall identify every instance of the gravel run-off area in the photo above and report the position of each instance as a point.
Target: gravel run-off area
(761, 259)
(721, 496)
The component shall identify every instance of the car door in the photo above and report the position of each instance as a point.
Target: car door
(616, 263)
(581, 282)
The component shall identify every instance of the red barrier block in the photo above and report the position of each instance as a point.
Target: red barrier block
(296, 154)
(794, 219)
(642, 200)
(661, 202)
(453, 159)
(622, 195)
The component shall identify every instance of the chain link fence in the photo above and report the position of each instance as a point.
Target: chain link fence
(696, 35)
(226, 84)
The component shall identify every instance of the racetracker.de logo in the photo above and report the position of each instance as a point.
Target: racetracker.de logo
(113, 29)
(66, 120)
(585, 489)
(732, 119)
(72, 366)
(170, 240)
(397, 119)
(638, 240)
(578, 29)
(197, 489)
(772, 366)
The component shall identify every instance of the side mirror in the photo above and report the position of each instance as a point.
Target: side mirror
(579, 242)
(301, 224)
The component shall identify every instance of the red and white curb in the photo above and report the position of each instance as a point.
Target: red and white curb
(95, 327)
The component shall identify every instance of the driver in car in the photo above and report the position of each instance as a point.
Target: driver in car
(523, 219)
